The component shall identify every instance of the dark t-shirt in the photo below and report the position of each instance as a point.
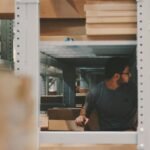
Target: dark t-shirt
(116, 109)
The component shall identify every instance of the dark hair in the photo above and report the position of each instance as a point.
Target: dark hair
(115, 65)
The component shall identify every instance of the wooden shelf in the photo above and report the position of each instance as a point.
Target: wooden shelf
(48, 9)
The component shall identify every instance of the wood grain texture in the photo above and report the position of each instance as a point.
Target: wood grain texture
(111, 19)
(62, 9)
(114, 13)
(63, 125)
(48, 9)
(111, 29)
(62, 27)
(110, 6)
(7, 9)
(109, 1)
(88, 147)
(89, 38)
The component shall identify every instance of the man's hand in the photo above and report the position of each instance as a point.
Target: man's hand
(81, 120)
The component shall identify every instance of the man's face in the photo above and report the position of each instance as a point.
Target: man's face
(125, 76)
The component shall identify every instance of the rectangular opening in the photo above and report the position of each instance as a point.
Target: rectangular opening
(77, 68)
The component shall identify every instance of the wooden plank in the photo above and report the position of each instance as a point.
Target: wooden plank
(114, 25)
(111, 29)
(110, 6)
(7, 6)
(110, 13)
(48, 9)
(89, 38)
(111, 19)
(62, 9)
(88, 147)
(6, 9)
(109, 1)
(62, 27)
(117, 31)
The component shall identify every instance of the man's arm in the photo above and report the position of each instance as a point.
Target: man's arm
(86, 110)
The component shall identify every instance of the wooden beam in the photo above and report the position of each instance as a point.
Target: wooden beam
(62, 9)
(109, 1)
(111, 19)
(48, 9)
(110, 13)
(89, 38)
(88, 147)
(111, 29)
(110, 6)
(62, 27)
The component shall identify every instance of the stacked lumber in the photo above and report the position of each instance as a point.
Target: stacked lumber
(48, 9)
(110, 17)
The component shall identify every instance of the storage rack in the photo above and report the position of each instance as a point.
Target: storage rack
(27, 62)
(6, 42)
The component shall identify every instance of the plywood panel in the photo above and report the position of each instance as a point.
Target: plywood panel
(118, 13)
(48, 9)
(62, 9)
(110, 6)
(62, 27)
(88, 147)
(63, 125)
(109, 1)
(110, 29)
(111, 19)
(6, 9)
(89, 38)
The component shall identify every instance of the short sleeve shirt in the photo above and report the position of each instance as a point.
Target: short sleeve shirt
(116, 109)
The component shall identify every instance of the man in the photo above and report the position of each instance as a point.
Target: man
(114, 99)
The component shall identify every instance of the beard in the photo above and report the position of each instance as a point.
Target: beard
(121, 81)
